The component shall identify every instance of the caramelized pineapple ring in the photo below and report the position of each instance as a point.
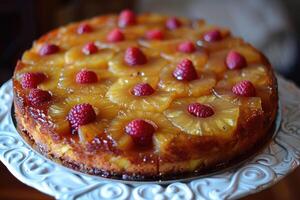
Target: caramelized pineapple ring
(99, 59)
(216, 61)
(199, 58)
(68, 37)
(121, 94)
(117, 46)
(104, 108)
(257, 74)
(68, 82)
(33, 57)
(222, 123)
(52, 74)
(201, 86)
(151, 68)
(123, 141)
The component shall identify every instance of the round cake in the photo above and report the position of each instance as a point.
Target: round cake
(144, 97)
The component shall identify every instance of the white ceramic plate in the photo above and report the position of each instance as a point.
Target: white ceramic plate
(280, 157)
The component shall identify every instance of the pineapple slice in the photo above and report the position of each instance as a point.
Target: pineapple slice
(124, 141)
(151, 68)
(67, 81)
(201, 86)
(52, 74)
(32, 57)
(57, 113)
(255, 73)
(104, 108)
(151, 19)
(120, 93)
(75, 56)
(168, 45)
(89, 131)
(225, 43)
(222, 123)
(199, 58)
(216, 61)
(67, 37)
(117, 46)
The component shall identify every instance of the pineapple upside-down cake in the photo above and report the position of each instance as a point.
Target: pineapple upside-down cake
(143, 96)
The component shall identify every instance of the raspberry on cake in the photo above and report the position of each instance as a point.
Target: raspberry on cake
(48, 49)
(187, 47)
(144, 97)
(235, 60)
(85, 77)
(115, 35)
(81, 114)
(127, 18)
(173, 23)
(37, 97)
(31, 80)
(212, 36)
(155, 34)
(89, 48)
(84, 28)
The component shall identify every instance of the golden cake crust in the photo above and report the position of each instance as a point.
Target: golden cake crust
(173, 152)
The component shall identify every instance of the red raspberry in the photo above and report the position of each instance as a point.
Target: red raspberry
(142, 89)
(31, 80)
(155, 34)
(200, 110)
(48, 49)
(235, 60)
(115, 36)
(173, 23)
(244, 88)
(85, 77)
(140, 131)
(89, 48)
(213, 36)
(127, 18)
(187, 47)
(84, 28)
(81, 114)
(185, 71)
(134, 56)
(37, 97)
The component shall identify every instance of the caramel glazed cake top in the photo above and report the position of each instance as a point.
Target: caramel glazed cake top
(143, 96)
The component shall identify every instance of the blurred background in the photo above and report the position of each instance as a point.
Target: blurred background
(273, 26)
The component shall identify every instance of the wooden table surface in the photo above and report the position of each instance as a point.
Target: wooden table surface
(12, 189)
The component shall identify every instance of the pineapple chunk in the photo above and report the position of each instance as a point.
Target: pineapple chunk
(151, 68)
(52, 74)
(223, 123)
(199, 58)
(75, 56)
(89, 131)
(32, 57)
(104, 108)
(201, 86)
(120, 93)
(67, 81)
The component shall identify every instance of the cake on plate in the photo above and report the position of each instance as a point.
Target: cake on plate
(144, 97)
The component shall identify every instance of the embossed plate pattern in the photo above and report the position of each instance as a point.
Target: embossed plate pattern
(279, 158)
